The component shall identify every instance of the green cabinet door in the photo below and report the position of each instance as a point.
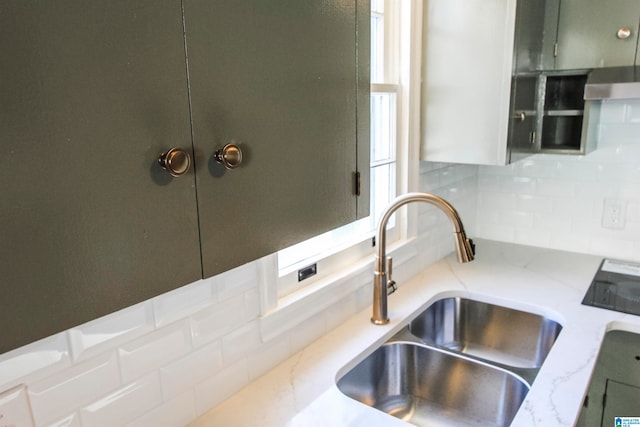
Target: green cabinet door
(588, 33)
(92, 92)
(280, 80)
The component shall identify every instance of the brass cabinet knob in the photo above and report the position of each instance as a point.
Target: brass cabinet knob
(623, 33)
(522, 116)
(230, 156)
(176, 161)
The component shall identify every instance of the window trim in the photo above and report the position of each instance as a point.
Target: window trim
(281, 314)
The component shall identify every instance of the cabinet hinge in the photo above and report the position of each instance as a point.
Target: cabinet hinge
(356, 183)
(555, 50)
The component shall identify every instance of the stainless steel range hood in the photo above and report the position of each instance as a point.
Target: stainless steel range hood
(613, 83)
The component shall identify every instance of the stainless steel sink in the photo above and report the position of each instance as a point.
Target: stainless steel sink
(431, 387)
(498, 334)
(460, 362)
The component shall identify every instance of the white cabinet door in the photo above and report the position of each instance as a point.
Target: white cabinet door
(467, 72)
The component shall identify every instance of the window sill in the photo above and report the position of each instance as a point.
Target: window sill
(313, 299)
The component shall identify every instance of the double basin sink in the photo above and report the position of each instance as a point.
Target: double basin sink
(460, 362)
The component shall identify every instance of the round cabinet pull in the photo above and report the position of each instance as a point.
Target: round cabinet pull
(623, 33)
(176, 161)
(230, 156)
(522, 116)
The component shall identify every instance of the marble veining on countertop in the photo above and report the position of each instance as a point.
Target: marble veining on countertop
(302, 392)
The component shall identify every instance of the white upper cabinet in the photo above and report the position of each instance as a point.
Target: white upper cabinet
(479, 72)
(467, 67)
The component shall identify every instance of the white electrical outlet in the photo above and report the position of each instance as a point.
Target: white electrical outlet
(15, 410)
(613, 214)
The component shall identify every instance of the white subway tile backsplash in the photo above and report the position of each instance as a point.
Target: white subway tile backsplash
(218, 320)
(520, 220)
(507, 170)
(534, 204)
(595, 190)
(553, 187)
(494, 202)
(336, 314)
(214, 390)
(569, 241)
(430, 181)
(611, 247)
(633, 210)
(154, 350)
(531, 237)
(517, 184)
(489, 183)
(427, 219)
(575, 170)
(635, 254)
(499, 232)
(271, 353)
(570, 207)
(185, 373)
(184, 301)
(537, 168)
(112, 330)
(125, 404)
(241, 342)
(568, 201)
(72, 420)
(552, 223)
(252, 304)
(63, 393)
(237, 281)
(613, 136)
(14, 407)
(632, 112)
(177, 412)
(613, 112)
(628, 190)
(34, 361)
(308, 331)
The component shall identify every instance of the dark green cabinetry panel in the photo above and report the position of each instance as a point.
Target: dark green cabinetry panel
(91, 93)
(587, 35)
(282, 85)
(527, 61)
(614, 388)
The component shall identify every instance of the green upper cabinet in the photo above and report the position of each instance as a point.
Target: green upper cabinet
(278, 79)
(92, 94)
(596, 33)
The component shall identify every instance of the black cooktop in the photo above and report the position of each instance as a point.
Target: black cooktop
(616, 286)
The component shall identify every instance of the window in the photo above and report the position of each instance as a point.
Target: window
(337, 248)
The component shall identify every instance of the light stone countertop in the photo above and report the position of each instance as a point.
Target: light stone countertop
(302, 392)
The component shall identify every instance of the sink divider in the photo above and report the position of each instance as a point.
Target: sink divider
(528, 375)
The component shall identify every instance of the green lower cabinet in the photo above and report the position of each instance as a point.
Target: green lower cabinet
(614, 389)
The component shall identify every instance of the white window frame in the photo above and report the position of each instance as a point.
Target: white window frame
(340, 264)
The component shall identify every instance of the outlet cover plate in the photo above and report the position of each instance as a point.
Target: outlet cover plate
(613, 214)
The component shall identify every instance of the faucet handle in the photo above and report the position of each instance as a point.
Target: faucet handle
(472, 246)
(391, 284)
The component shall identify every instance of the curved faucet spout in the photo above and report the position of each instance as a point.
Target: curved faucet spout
(382, 283)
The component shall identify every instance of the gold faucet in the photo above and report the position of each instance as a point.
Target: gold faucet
(383, 285)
